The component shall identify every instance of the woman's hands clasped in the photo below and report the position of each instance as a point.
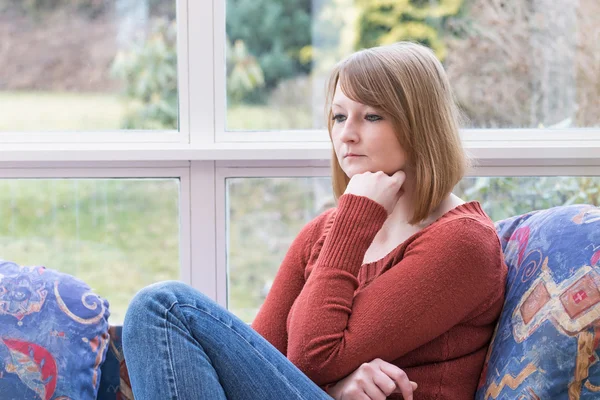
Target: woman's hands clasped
(375, 380)
(379, 187)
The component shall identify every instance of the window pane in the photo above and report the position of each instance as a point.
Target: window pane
(503, 197)
(265, 215)
(513, 64)
(117, 235)
(88, 65)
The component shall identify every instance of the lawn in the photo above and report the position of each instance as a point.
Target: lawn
(48, 111)
(256, 118)
(117, 235)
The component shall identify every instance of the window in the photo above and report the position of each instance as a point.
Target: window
(88, 65)
(219, 119)
(512, 64)
(117, 235)
(265, 214)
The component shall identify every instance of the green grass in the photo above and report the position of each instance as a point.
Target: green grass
(257, 118)
(116, 235)
(49, 111)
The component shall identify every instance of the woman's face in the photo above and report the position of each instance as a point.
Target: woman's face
(364, 138)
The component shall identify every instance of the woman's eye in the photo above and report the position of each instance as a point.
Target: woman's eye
(339, 118)
(373, 117)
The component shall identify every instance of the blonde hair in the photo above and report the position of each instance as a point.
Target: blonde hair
(407, 82)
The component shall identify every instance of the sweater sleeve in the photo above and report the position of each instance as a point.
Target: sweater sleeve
(270, 322)
(445, 276)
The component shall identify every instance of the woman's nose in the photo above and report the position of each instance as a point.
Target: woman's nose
(349, 133)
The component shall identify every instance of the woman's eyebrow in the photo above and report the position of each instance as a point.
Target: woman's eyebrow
(360, 106)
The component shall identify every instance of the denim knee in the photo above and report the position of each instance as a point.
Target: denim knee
(152, 301)
(162, 294)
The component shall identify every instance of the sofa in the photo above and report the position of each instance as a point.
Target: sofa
(114, 380)
(546, 343)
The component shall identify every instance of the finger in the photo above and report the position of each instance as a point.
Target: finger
(365, 381)
(384, 382)
(399, 176)
(374, 392)
(355, 393)
(403, 384)
(413, 384)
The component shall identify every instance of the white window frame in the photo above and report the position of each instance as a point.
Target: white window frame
(203, 154)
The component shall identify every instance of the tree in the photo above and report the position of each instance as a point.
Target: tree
(275, 32)
(243, 72)
(389, 21)
(149, 70)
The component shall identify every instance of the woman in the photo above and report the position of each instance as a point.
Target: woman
(401, 280)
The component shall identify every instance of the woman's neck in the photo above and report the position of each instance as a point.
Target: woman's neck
(404, 210)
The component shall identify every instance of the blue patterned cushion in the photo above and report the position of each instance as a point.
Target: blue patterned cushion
(546, 343)
(53, 335)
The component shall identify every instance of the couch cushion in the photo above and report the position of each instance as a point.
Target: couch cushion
(546, 342)
(53, 335)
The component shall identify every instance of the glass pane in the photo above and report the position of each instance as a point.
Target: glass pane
(265, 215)
(503, 197)
(88, 65)
(513, 64)
(117, 235)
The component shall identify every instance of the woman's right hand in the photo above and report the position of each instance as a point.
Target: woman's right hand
(379, 187)
(374, 380)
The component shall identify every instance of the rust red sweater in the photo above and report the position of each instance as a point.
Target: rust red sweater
(430, 306)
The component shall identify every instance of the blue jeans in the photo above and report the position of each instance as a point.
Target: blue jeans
(179, 344)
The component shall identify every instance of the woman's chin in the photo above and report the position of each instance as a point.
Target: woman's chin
(350, 172)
